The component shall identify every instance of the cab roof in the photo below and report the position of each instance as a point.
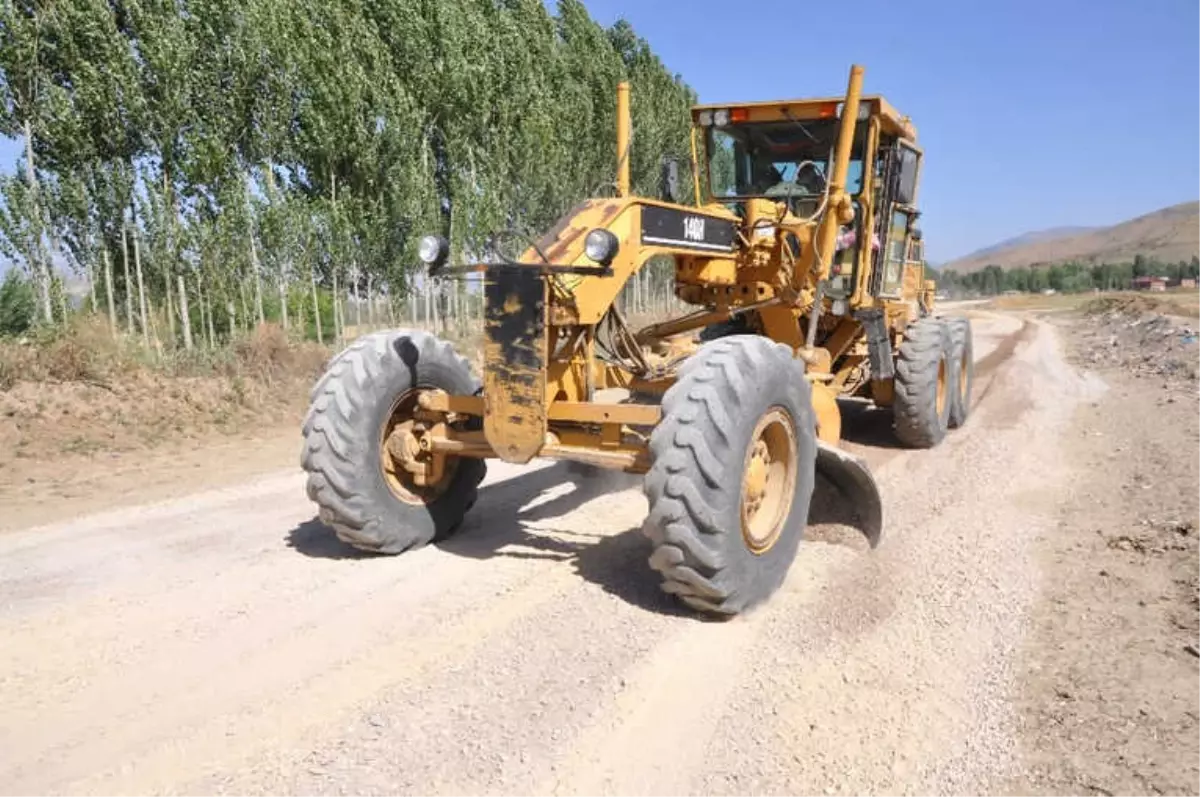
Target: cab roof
(815, 108)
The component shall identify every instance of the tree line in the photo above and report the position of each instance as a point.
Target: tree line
(1070, 277)
(203, 165)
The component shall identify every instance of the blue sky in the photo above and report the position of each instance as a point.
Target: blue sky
(1031, 114)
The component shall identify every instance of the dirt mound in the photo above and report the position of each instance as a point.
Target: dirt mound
(1134, 334)
(1126, 304)
(84, 392)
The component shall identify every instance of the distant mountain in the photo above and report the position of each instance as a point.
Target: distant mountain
(1170, 235)
(1029, 238)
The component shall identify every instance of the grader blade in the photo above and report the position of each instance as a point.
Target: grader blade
(856, 484)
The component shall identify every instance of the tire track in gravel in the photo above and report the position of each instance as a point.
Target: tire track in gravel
(917, 701)
(867, 430)
(111, 685)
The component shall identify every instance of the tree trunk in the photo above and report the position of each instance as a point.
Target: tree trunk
(258, 299)
(137, 261)
(316, 307)
(62, 302)
(128, 282)
(337, 312)
(428, 301)
(370, 302)
(283, 301)
(354, 275)
(154, 330)
(338, 321)
(232, 310)
(39, 262)
(212, 327)
(91, 278)
(108, 285)
(245, 307)
(184, 318)
(170, 307)
(200, 309)
(203, 310)
(169, 212)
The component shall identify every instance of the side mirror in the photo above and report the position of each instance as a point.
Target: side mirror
(669, 182)
(916, 233)
(905, 185)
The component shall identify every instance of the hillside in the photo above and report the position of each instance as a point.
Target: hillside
(1170, 235)
(1029, 238)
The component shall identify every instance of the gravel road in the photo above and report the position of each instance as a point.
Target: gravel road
(226, 643)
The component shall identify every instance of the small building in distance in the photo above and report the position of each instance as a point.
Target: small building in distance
(1149, 283)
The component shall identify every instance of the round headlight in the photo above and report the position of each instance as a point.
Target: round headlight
(601, 246)
(721, 118)
(433, 251)
(704, 118)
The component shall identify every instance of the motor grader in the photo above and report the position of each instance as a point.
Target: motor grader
(802, 255)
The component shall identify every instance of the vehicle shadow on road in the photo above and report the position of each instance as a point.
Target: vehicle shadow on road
(313, 538)
(501, 525)
(616, 562)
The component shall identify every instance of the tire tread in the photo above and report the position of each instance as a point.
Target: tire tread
(335, 439)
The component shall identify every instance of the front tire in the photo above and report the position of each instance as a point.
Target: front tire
(365, 390)
(732, 474)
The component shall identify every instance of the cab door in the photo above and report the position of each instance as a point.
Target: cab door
(895, 253)
(896, 219)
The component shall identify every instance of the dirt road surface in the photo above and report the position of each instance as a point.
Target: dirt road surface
(225, 642)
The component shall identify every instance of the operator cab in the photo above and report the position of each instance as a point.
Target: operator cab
(784, 151)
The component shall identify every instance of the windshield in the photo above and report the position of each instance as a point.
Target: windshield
(777, 159)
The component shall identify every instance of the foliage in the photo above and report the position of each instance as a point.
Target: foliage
(18, 309)
(1069, 277)
(256, 148)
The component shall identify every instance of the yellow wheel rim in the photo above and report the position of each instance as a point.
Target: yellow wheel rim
(768, 480)
(399, 479)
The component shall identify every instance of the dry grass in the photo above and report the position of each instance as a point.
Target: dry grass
(1039, 302)
(1141, 304)
(86, 352)
(82, 391)
(1183, 302)
(1131, 304)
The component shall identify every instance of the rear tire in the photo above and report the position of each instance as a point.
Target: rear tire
(705, 448)
(343, 438)
(924, 384)
(962, 355)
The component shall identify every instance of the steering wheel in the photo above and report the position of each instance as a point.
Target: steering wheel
(800, 170)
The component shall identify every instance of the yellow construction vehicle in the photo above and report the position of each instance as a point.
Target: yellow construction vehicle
(803, 256)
